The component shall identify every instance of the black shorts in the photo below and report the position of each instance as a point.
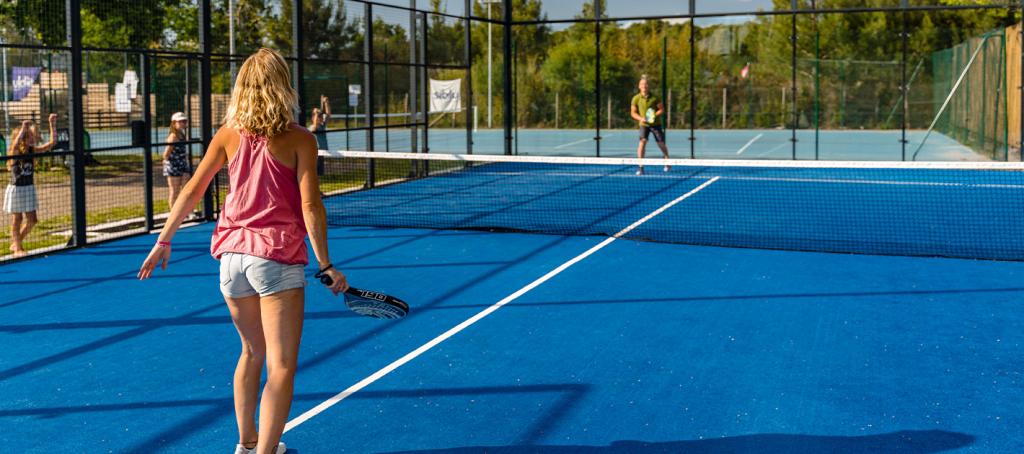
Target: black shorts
(659, 133)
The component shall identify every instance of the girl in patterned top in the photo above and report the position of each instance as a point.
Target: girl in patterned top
(177, 166)
(20, 196)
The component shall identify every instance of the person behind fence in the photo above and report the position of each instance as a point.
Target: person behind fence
(319, 130)
(177, 165)
(260, 239)
(20, 198)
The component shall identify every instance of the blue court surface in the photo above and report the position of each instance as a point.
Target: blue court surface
(638, 347)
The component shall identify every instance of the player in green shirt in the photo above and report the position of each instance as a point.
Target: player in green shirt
(647, 109)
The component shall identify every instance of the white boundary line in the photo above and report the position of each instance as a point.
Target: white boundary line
(465, 324)
(744, 148)
(788, 164)
(580, 141)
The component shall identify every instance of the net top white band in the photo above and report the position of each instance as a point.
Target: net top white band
(929, 165)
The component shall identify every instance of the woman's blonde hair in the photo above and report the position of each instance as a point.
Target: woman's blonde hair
(263, 101)
(22, 147)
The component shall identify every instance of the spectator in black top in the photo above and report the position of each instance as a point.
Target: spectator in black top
(20, 197)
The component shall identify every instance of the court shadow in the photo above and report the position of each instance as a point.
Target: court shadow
(901, 442)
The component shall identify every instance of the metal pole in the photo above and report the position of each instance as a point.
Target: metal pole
(368, 80)
(507, 75)
(489, 96)
(231, 36)
(147, 155)
(904, 34)
(6, 98)
(796, 119)
(817, 82)
(206, 94)
(76, 126)
(467, 61)
(693, 90)
(597, 79)
(413, 107)
(299, 51)
(1020, 85)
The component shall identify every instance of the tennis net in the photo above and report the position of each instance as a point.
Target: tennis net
(966, 210)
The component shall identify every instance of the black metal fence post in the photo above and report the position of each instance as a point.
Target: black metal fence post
(796, 111)
(468, 62)
(299, 68)
(147, 141)
(368, 80)
(506, 70)
(76, 126)
(597, 78)
(693, 89)
(206, 95)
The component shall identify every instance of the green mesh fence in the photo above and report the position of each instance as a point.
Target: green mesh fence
(974, 112)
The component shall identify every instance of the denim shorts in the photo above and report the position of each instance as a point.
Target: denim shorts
(244, 275)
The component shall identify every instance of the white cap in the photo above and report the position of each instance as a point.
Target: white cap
(178, 116)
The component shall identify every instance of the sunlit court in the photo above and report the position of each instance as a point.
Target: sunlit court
(511, 226)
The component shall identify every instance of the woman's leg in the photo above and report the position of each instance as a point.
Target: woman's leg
(30, 221)
(245, 313)
(173, 186)
(282, 326)
(16, 232)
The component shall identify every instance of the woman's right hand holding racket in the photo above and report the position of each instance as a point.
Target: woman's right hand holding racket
(333, 278)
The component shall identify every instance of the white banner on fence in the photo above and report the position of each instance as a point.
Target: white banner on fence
(131, 80)
(445, 95)
(122, 103)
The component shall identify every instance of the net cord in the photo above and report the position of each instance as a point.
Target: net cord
(748, 163)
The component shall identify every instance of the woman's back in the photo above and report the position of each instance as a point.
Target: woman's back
(262, 214)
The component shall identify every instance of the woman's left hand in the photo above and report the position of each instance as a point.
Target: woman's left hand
(159, 255)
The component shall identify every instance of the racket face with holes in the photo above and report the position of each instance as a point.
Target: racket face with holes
(375, 304)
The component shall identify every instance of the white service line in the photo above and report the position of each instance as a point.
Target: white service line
(581, 141)
(744, 148)
(465, 324)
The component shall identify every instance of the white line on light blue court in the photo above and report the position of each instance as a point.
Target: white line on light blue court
(744, 148)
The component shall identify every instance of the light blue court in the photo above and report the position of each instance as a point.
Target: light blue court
(637, 347)
(834, 145)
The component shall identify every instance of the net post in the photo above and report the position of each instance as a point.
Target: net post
(77, 127)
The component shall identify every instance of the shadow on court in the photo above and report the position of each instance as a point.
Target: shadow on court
(902, 442)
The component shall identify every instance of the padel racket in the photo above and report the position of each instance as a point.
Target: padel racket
(649, 117)
(369, 303)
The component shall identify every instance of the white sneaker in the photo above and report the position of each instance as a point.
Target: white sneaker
(640, 171)
(667, 168)
(239, 449)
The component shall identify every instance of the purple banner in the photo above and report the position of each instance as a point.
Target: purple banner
(22, 79)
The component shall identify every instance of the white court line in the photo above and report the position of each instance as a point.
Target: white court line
(580, 141)
(465, 324)
(744, 148)
(771, 150)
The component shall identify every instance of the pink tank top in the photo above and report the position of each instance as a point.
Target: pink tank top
(262, 213)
